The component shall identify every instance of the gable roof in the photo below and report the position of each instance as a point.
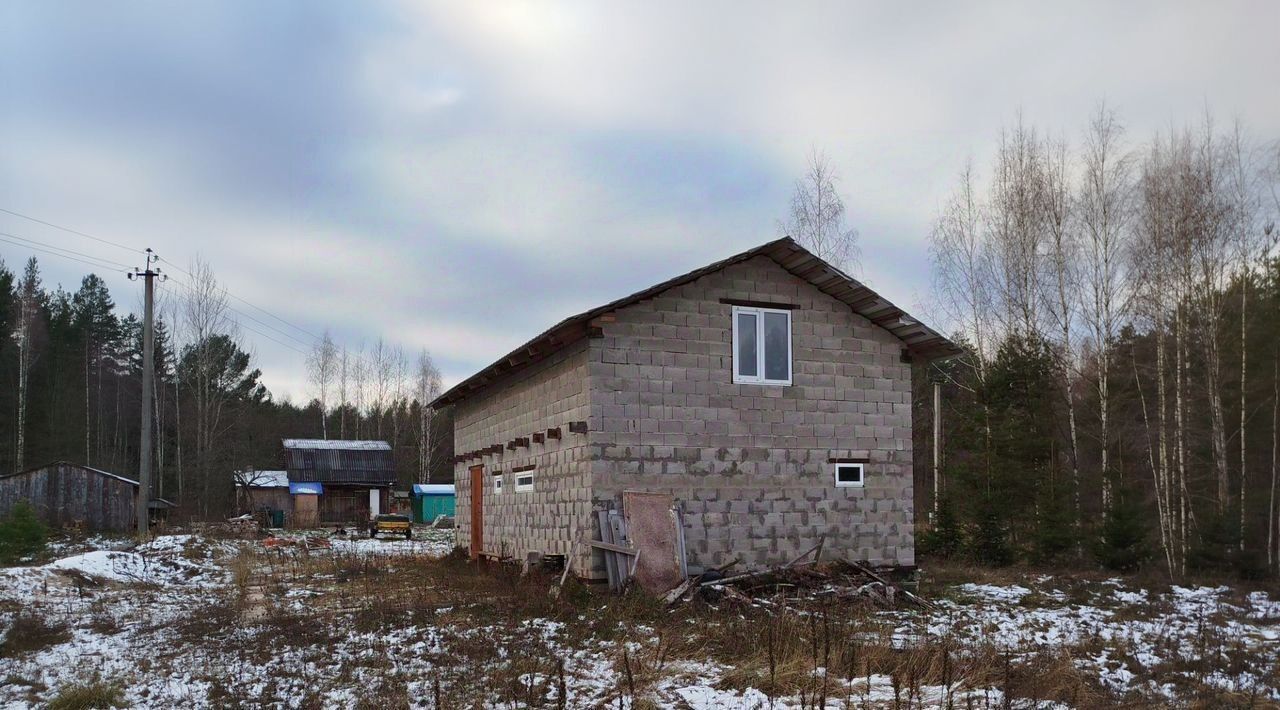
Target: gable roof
(338, 461)
(81, 466)
(920, 339)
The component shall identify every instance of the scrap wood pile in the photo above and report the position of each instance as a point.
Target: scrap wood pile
(309, 542)
(796, 583)
(243, 527)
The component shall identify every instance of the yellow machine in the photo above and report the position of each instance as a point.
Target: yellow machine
(391, 524)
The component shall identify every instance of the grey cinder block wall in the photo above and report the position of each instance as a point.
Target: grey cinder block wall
(750, 463)
(549, 394)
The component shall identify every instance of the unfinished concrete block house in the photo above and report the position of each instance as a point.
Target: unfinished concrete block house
(769, 394)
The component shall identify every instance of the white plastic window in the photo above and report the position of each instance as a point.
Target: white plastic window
(761, 345)
(849, 475)
(497, 484)
(524, 482)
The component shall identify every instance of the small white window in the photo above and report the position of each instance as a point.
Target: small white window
(524, 482)
(497, 483)
(761, 345)
(848, 475)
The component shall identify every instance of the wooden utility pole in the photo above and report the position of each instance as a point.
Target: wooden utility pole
(937, 444)
(148, 276)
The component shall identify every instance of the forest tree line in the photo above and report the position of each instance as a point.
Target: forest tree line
(1119, 306)
(70, 385)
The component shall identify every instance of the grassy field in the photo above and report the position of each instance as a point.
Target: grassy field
(193, 622)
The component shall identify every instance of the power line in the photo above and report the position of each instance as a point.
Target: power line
(255, 331)
(69, 230)
(300, 329)
(295, 338)
(99, 265)
(118, 245)
(64, 249)
(358, 356)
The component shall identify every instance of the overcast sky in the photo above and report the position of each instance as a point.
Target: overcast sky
(458, 177)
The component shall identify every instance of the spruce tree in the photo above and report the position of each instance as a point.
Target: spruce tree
(1122, 542)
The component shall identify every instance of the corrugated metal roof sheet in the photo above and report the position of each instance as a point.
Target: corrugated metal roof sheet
(918, 338)
(333, 461)
(338, 444)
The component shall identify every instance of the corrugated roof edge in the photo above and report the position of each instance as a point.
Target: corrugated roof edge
(919, 339)
(108, 474)
(338, 444)
(438, 489)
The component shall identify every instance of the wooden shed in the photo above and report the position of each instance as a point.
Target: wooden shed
(336, 481)
(71, 495)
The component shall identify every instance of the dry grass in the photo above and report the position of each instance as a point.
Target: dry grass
(30, 633)
(87, 696)
(486, 652)
(783, 652)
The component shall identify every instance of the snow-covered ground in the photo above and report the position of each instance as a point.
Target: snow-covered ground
(1149, 641)
(188, 622)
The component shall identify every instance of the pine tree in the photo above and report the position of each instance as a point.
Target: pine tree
(99, 331)
(28, 334)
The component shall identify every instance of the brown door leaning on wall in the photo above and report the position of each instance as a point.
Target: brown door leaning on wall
(477, 510)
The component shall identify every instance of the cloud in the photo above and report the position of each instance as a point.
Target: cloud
(458, 176)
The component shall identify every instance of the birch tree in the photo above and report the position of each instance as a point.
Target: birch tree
(1016, 221)
(1151, 258)
(427, 387)
(1209, 240)
(1104, 203)
(1061, 285)
(204, 316)
(1243, 207)
(960, 269)
(382, 366)
(399, 378)
(360, 388)
(322, 364)
(344, 391)
(817, 218)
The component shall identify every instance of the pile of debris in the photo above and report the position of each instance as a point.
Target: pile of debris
(308, 542)
(802, 580)
(243, 527)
